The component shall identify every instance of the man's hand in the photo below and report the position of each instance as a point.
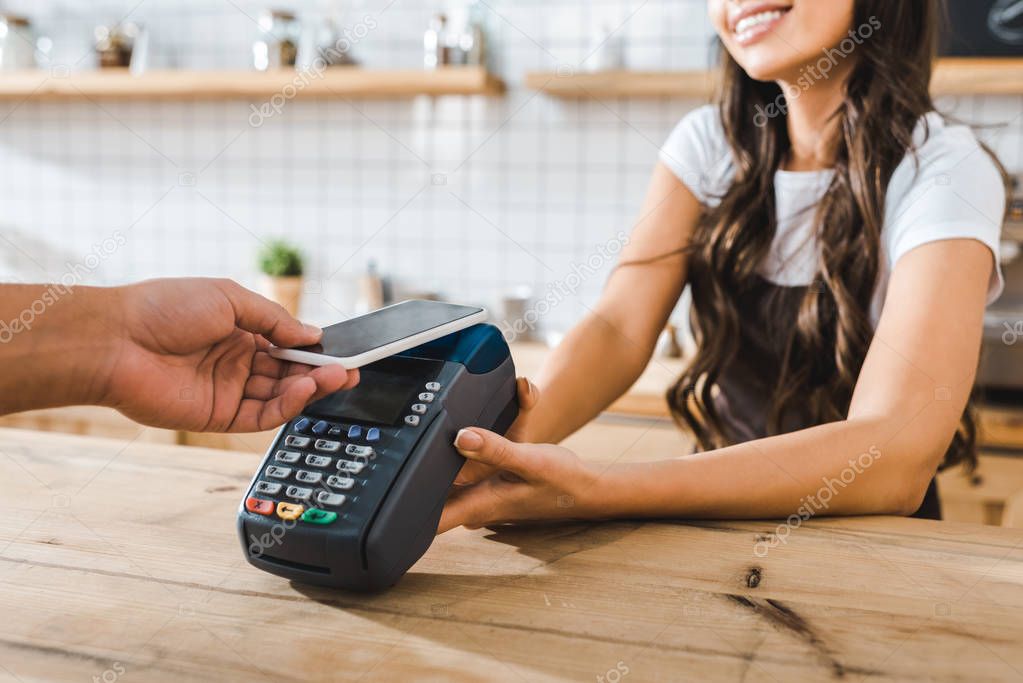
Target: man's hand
(191, 354)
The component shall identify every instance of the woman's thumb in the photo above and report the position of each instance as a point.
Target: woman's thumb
(487, 447)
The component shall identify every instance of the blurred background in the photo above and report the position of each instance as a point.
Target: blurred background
(473, 198)
(341, 155)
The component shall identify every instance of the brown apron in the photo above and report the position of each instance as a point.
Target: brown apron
(768, 312)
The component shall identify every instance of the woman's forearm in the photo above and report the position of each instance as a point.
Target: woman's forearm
(863, 466)
(585, 373)
(55, 343)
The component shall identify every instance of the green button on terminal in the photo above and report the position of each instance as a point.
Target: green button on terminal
(314, 516)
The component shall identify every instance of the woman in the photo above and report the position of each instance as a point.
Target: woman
(839, 237)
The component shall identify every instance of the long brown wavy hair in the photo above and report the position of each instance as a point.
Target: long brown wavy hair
(886, 95)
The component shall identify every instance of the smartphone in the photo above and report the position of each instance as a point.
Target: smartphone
(384, 332)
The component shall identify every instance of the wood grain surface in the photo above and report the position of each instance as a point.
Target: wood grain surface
(118, 561)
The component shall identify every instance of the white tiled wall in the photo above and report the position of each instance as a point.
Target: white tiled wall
(468, 197)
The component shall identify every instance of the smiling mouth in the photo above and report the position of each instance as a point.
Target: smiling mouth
(755, 24)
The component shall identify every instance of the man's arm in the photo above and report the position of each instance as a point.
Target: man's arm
(180, 353)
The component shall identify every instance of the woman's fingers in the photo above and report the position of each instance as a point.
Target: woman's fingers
(471, 507)
(528, 392)
(473, 472)
(487, 448)
(453, 512)
(528, 395)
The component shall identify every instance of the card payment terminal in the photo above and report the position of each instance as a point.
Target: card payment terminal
(351, 491)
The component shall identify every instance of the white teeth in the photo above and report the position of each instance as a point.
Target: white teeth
(748, 23)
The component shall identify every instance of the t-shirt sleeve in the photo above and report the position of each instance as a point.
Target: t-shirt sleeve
(697, 153)
(956, 192)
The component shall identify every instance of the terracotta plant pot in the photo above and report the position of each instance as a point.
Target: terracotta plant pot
(287, 291)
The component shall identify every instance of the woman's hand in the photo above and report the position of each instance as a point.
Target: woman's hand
(533, 482)
(191, 354)
(474, 471)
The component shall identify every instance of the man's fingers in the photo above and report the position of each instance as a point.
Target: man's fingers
(265, 364)
(255, 415)
(353, 379)
(482, 446)
(329, 378)
(263, 388)
(259, 315)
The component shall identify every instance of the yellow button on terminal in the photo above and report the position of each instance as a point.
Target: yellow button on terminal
(289, 511)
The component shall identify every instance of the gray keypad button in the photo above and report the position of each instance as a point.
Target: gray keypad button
(427, 397)
(268, 487)
(287, 456)
(317, 460)
(412, 420)
(359, 451)
(340, 483)
(419, 408)
(296, 441)
(433, 386)
(350, 467)
(329, 499)
(275, 472)
(309, 477)
(299, 493)
(327, 445)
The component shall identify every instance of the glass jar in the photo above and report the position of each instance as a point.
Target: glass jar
(277, 45)
(17, 43)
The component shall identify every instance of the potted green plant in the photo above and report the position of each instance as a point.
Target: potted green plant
(283, 267)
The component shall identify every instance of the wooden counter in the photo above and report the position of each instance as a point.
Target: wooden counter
(982, 498)
(118, 560)
(1002, 428)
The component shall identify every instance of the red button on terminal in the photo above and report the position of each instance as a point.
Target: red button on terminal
(260, 507)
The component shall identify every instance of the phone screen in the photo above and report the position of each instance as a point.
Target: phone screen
(387, 325)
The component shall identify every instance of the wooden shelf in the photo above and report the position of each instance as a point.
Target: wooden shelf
(959, 76)
(624, 83)
(353, 82)
(962, 76)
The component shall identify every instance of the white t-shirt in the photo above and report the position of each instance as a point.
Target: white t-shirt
(952, 191)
